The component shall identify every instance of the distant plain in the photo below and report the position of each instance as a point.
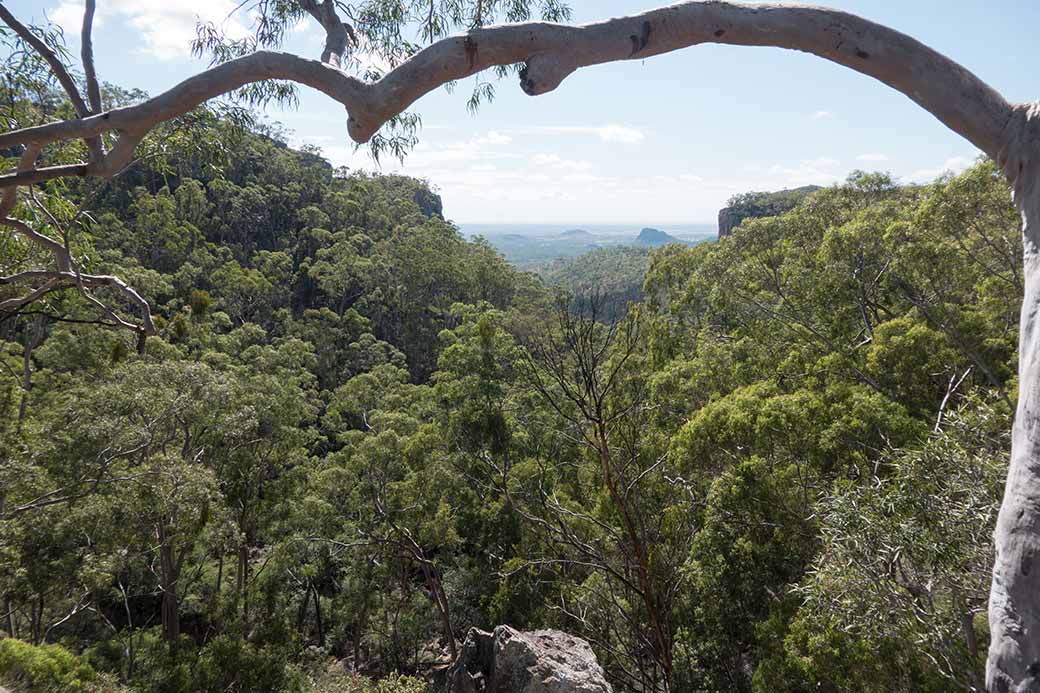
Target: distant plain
(534, 244)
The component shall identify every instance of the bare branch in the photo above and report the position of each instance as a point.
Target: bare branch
(87, 56)
(59, 69)
(48, 54)
(551, 52)
(59, 251)
(41, 175)
(13, 304)
(56, 280)
(25, 163)
(134, 122)
(339, 37)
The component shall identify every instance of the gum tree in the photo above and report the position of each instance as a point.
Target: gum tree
(94, 143)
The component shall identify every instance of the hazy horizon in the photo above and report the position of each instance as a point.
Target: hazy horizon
(612, 228)
(526, 245)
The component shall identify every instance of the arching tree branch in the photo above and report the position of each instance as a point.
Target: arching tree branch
(136, 121)
(41, 175)
(1014, 603)
(59, 69)
(551, 52)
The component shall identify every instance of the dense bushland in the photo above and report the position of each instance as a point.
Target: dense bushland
(358, 434)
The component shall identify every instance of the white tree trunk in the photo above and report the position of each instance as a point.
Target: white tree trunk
(1014, 607)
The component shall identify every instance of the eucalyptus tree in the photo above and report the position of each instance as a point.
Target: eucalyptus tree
(906, 556)
(632, 528)
(92, 142)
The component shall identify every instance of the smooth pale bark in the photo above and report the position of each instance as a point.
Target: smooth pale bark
(87, 57)
(551, 52)
(1014, 607)
(59, 69)
(339, 37)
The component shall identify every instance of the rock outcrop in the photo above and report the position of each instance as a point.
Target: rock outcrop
(540, 661)
(729, 219)
(755, 205)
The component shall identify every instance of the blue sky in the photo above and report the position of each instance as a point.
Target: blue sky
(666, 140)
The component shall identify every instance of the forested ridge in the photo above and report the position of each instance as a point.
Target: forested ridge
(614, 273)
(357, 434)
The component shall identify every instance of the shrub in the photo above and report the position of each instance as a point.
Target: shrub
(336, 680)
(226, 664)
(43, 667)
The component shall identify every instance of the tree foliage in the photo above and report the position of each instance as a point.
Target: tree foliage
(356, 434)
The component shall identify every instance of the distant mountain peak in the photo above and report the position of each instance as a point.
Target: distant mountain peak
(576, 233)
(650, 236)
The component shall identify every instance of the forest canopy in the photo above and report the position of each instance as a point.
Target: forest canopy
(272, 425)
(356, 435)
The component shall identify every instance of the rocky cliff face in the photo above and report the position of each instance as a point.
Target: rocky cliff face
(541, 661)
(729, 219)
(755, 205)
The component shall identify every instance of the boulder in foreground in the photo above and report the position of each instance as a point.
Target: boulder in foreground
(540, 661)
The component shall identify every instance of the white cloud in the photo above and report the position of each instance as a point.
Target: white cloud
(581, 178)
(365, 56)
(558, 162)
(822, 170)
(819, 171)
(305, 26)
(613, 133)
(690, 178)
(820, 162)
(481, 148)
(165, 27)
(955, 164)
(69, 16)
(619, 133)
(874, 158)
(494, 138)
(428, 157)
(820, 115)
